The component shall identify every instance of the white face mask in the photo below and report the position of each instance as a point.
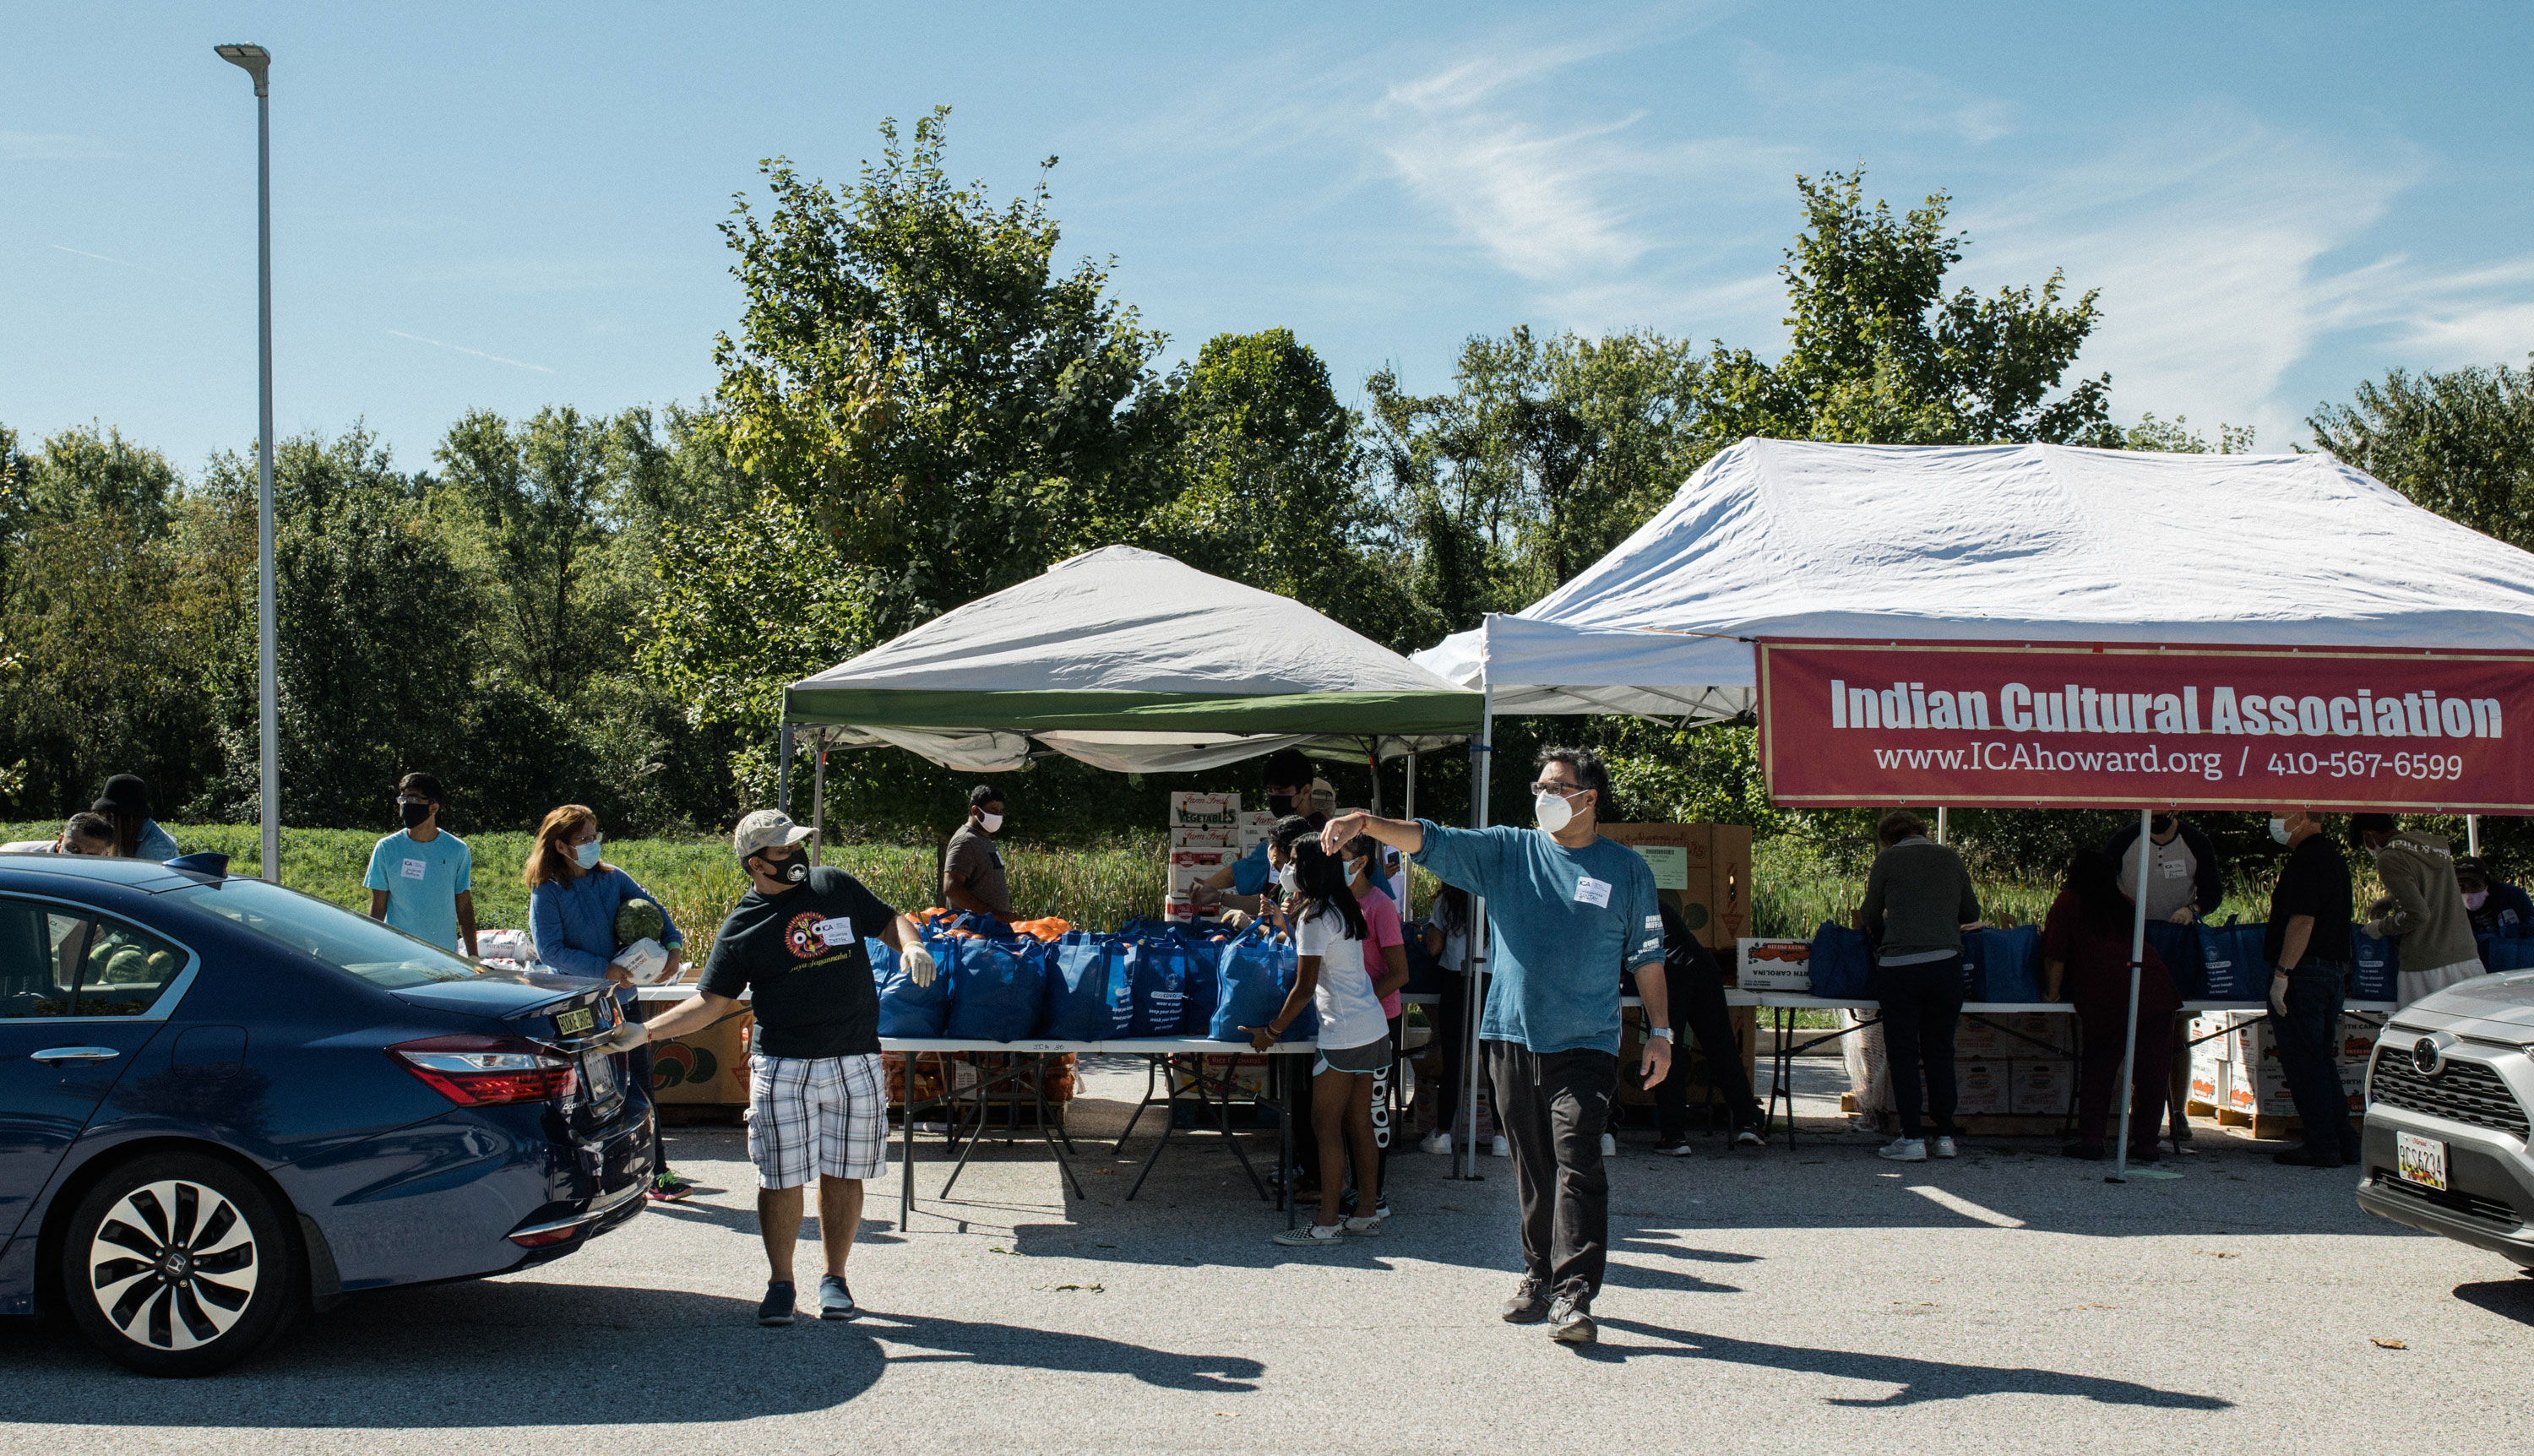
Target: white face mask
(585, 854)
(2280, 830)
(1290, 880)
(990, 823)
(1552, 811)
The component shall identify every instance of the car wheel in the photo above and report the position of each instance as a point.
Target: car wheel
(179, 1264)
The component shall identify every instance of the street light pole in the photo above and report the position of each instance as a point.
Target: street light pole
(256, 62)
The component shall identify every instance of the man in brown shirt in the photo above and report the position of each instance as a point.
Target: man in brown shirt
(972, 872)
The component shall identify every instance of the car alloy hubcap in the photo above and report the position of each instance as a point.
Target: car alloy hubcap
(173, 1265)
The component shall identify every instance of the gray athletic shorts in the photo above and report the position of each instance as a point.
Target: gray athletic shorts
(1372, 1057)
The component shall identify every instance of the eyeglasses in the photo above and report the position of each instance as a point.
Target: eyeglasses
(1551, 786)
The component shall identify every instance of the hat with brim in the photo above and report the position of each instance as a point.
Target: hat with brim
(766, 828)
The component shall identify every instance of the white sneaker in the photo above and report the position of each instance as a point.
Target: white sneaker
(1435, 1143)
(1314, 1236)
(1609, 1146)
(1944, 1148)
(1501, 1148)
(1904, 1150)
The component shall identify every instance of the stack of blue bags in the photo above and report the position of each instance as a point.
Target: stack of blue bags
(1149, 980)
(2207, 961)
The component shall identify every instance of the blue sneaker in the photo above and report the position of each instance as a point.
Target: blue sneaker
(835, 1299)
(776, 1307)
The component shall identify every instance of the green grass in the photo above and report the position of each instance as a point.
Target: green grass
(695, 879)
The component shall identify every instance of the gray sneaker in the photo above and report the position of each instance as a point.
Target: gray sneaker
(1570, 1320)
(836, 1298)
(776, 1307)
(1530, 1303)
(1943, 1147)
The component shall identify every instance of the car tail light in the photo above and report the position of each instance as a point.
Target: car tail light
(487, 1071)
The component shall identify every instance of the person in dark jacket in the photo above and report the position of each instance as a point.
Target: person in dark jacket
(1918, 898)
(2496, 907)
(2085, 955)
(1697, 986)
(2185, 880)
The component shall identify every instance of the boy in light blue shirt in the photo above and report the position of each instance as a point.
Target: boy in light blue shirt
(421, 877)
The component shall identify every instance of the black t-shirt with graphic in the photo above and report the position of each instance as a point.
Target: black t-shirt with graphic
(798, 959)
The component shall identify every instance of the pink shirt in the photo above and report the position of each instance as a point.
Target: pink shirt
(1381, 918)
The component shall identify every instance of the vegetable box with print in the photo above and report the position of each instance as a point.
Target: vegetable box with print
(2105, 725)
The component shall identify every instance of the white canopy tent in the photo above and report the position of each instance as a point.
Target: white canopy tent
(1981, 543)
(2018, 542)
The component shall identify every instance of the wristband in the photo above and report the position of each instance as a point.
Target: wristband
(1663, 1033)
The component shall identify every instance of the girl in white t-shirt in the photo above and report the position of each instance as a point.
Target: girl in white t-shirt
(1329, 931)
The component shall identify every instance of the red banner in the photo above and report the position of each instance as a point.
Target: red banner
(2125, 725)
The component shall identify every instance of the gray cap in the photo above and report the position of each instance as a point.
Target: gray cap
(765, 829)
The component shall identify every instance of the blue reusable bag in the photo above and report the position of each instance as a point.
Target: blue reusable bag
(2377, 966)
(1160, 970)
(2511, 954)
(2178, 946)
(2232, 963)
(996, 988)
(906, 1009)
(1841, 964)
(1254, 973)
(2003, 966)
(1089, 988)
(1198, 991)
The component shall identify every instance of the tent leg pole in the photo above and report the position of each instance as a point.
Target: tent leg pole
(818, 799)
(1411, 810)
(1472, 1067)
(783, 768)
(2472, 836)
(2138, 959)
(1940, 826)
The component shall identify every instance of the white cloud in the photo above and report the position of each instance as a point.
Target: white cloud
(1892, 97)
(53, 146)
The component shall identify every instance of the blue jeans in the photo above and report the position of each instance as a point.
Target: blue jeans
(2308, 1039)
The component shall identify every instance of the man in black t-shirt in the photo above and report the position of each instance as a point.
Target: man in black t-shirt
(2307, 946)
(816, 1098)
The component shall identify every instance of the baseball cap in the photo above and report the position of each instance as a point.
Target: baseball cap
(765, 829)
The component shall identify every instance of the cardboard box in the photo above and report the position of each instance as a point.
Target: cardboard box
(1702, 870)
(1205, 811)
(2042, 1086)
(1253, 826)
(1195, 836)
(2207, 1076)
(1247, 1073)
(1981, 1088)
(1983, 1039)
(707, 1066)
(1772, 965)
(1730, 882)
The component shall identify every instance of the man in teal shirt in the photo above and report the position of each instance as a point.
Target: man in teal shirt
(1567, 911)
(421, 877)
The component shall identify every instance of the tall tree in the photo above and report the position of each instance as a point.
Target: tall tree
(913, 372)
(2459, 443)
(542, 495)
(1880, 353)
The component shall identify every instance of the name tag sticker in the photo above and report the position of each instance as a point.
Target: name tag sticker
(2172, 868)
(1592, 891)
(413, 870)
(836, 932)
(1653, 922)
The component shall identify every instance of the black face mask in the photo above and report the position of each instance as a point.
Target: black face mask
(792, 870)
(413, 813)
(2162, 824)
(1280, 804)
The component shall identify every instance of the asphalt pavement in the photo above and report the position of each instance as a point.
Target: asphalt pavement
(1808, 1298)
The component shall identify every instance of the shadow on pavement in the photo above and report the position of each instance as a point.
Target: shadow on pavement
(2512, 1299)
(513, 1354)
(1920, 1380)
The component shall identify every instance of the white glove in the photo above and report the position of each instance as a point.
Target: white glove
(919, 964)
(2279, 995)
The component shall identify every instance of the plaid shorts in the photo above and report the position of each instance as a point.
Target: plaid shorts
(822, 1115)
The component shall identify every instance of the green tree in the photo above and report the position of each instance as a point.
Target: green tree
(541, 495)
(2175, 436)
(1879, 352)
(2459, 443)
(913, 372)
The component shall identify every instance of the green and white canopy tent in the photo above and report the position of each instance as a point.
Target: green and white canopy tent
(1130, 661)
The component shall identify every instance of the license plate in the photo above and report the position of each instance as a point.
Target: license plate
(600, 1073)
(575, 1023)
(2420, 1160)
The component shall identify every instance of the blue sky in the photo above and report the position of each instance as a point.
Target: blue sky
(513, 206)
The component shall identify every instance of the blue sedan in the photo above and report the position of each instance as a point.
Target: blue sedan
(223, 1102)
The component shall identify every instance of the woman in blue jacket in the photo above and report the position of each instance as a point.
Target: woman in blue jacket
(573, 899)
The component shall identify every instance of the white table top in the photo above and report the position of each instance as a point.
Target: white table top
(1791, 1001)
(1155, 1046)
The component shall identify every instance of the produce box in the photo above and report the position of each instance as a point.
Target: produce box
(1254, 826)
(1772, 965)
(1702, 870)
(1247, 1072)
(1981, 1088)
(2042, 1086)
(1204, 810)
(707, 1066)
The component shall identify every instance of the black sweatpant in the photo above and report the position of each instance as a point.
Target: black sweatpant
(1696, 998)
(1552, 1107)
(1921, 1004)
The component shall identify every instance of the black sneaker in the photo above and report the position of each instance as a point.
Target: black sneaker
(1673, 1147)
(1570, 1320)
(776, 1307)
(836, 1298)
(1530, 1303)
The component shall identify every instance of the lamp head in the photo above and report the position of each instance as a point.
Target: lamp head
(254, 60)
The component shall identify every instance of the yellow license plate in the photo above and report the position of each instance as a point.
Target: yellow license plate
(2420, 1160)
(575, 1023)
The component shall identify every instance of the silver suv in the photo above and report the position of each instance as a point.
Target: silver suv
(2446, 1127)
